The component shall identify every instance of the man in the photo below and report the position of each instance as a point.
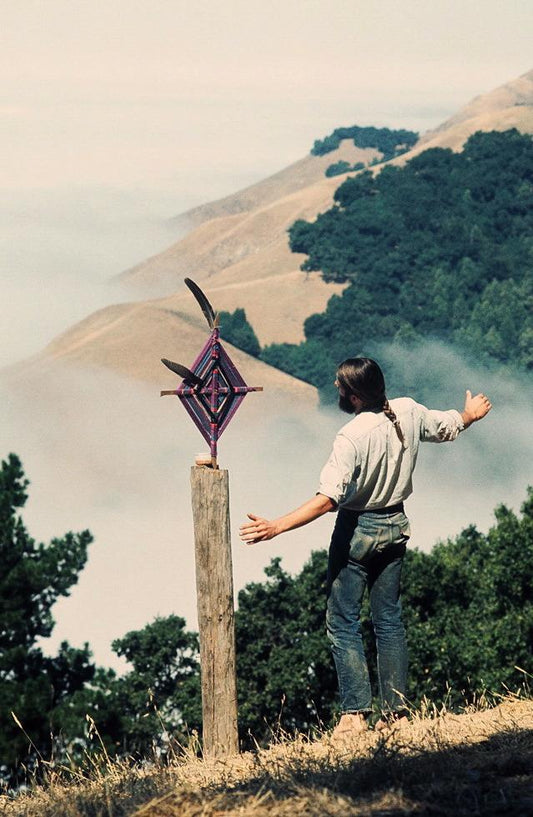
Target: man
(367, 478)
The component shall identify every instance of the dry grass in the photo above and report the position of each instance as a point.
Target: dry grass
(477, 763)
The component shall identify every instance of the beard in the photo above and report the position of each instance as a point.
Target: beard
(345, 404)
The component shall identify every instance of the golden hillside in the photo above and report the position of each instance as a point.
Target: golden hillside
(297, 176)
(456, 765)
(509, 106)
(130, 339)
(237, 250)
(243, 226)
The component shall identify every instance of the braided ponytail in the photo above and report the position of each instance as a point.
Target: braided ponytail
(388, 412)
(363, 377)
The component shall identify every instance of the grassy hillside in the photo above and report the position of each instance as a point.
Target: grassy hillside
(480, 762)
(237, 248)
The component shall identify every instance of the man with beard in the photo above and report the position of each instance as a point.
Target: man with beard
(367, 478)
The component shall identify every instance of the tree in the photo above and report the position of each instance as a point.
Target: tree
(468, 607)
(143, 712)
(501, 323)
(284, 671)
(440, 248)
(389, 142)
(235, 328)
(33, 686)
(162, 690)
(338, 168)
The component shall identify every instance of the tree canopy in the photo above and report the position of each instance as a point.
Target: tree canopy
(440, 248)
(235, 328)
(33, 687)
(389, 142)
(468, 607)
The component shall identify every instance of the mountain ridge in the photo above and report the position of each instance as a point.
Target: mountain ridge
(509, 105)
(237, 248)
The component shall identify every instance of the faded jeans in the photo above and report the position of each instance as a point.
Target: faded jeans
(367, 550)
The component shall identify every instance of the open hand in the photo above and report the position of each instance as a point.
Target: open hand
(258, 530)
(475, 407)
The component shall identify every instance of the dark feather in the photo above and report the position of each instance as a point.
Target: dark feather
(182, 371)
(205, 306)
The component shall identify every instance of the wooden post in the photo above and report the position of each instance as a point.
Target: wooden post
(216, 617)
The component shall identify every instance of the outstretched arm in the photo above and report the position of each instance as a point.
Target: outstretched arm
(475, 408)
(259, 529)
(445, 426)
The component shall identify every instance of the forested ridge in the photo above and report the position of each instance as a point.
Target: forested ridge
(441, 248)
(468, 609)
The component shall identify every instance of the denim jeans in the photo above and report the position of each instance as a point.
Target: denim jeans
(367, 550)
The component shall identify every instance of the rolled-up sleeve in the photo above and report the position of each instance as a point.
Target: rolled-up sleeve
(338, 472)
(439, 426)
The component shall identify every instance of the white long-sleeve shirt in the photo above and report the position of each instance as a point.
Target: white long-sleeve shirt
(369, 468)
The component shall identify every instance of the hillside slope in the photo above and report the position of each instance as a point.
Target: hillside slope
(242, 240)
(301, 191)
(130, 339)
(509, 106)
(237, 249)
(477, 763)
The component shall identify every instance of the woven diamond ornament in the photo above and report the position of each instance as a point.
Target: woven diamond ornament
(212, 389)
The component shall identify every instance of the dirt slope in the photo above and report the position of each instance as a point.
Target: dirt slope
(242, 241)
(510, 105)
(297, 176)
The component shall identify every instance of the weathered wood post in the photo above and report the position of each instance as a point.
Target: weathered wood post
(211, 392)
(216, 618)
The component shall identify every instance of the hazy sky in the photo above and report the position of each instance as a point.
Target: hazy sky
(122, 92)
(117, 114)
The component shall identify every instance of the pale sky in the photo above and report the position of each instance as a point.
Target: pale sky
(125, 93)
(118, 114)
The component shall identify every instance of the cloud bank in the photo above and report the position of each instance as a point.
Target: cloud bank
(107, 453)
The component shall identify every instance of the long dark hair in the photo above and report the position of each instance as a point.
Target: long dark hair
(363, 377)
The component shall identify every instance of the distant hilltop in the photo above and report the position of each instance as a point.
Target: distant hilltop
(237, 249)
(390, 143)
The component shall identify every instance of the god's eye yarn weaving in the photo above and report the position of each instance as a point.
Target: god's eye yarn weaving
(212, 389)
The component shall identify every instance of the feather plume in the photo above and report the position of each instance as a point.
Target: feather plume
(183, 372)
(205, 306)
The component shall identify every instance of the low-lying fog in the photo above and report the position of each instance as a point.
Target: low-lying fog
(108, 454)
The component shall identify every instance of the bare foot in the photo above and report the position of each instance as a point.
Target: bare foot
(350, 725)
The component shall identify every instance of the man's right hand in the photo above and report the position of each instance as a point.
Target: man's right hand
(475, 408)
(258, 530)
